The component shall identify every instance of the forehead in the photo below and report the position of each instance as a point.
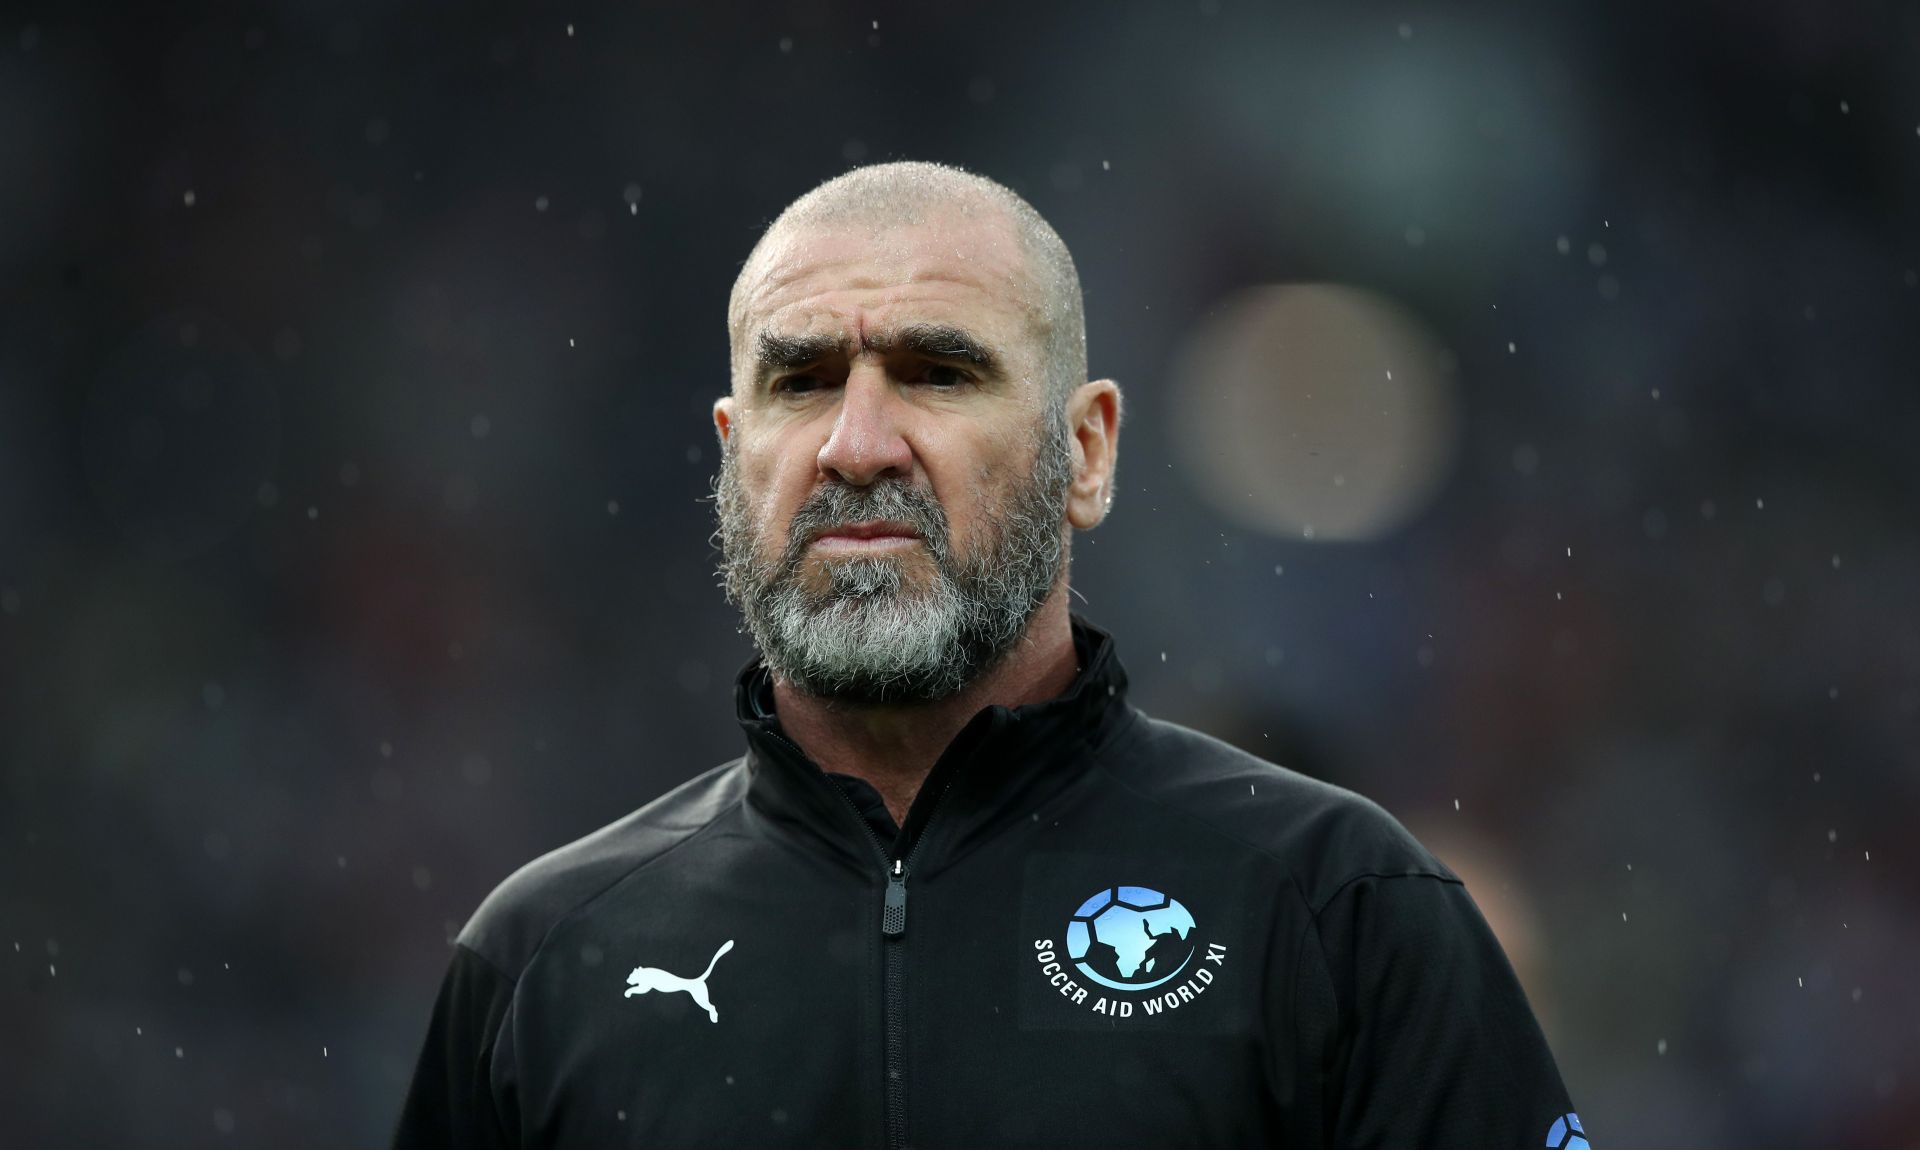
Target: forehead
(813, 278)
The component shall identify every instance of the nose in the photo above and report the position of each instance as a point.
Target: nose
(867, 441)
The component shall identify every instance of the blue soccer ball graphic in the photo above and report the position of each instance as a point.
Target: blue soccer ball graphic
(1130, 938)
(1565, 1134)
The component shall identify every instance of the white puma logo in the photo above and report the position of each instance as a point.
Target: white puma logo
(646, 978)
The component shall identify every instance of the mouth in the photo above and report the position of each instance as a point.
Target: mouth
(865, 536)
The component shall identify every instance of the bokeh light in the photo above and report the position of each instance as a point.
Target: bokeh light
(1314, 411)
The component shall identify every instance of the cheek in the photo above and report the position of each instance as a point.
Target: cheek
(982, 484)
(779, 487)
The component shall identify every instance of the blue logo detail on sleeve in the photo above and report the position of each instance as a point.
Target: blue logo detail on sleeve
(1566, 1134)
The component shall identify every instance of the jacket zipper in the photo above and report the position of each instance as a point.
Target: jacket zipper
(893, 930)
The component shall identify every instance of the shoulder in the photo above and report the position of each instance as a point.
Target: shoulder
(1326, 836)
(513, 921)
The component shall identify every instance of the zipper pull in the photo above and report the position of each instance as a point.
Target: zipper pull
(893, 918)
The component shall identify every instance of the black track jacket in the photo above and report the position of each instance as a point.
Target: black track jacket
(1096, 929)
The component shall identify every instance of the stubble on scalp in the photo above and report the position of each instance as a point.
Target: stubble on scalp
(909, 193)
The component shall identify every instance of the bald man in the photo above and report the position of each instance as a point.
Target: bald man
(1122, 932)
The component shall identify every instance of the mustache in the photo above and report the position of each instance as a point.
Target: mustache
(838, 504)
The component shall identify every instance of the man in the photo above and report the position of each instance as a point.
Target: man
(958, 892)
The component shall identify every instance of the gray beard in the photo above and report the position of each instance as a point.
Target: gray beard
(871, 638)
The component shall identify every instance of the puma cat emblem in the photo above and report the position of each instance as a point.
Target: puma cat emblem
(648, 978)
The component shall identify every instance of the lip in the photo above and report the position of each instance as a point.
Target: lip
(869, 529)
(868, 535)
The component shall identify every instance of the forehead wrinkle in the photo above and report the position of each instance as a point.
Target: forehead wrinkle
(1000, 270)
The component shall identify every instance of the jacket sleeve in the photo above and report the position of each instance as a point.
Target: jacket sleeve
(451, 1102)
(1435, 1046)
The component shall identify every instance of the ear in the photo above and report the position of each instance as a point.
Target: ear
(723, 418)
(1093, 422)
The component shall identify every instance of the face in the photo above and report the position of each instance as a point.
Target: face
(893, 481)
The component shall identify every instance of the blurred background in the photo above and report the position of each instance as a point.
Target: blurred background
(1522, 413)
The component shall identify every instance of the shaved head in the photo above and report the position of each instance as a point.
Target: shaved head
(912, 193)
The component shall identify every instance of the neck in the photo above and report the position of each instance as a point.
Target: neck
(894, 746)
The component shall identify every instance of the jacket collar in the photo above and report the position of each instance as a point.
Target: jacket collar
(1003, 764)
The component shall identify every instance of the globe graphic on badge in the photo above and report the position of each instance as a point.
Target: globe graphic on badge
(1130, 938)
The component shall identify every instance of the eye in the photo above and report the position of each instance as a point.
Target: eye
(944, 377)
(796, 384)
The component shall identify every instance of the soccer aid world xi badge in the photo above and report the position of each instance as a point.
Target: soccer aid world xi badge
(1120, 956)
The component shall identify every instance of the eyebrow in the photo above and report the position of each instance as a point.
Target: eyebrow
(938, 341)
(791, 352)
(775, 353)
